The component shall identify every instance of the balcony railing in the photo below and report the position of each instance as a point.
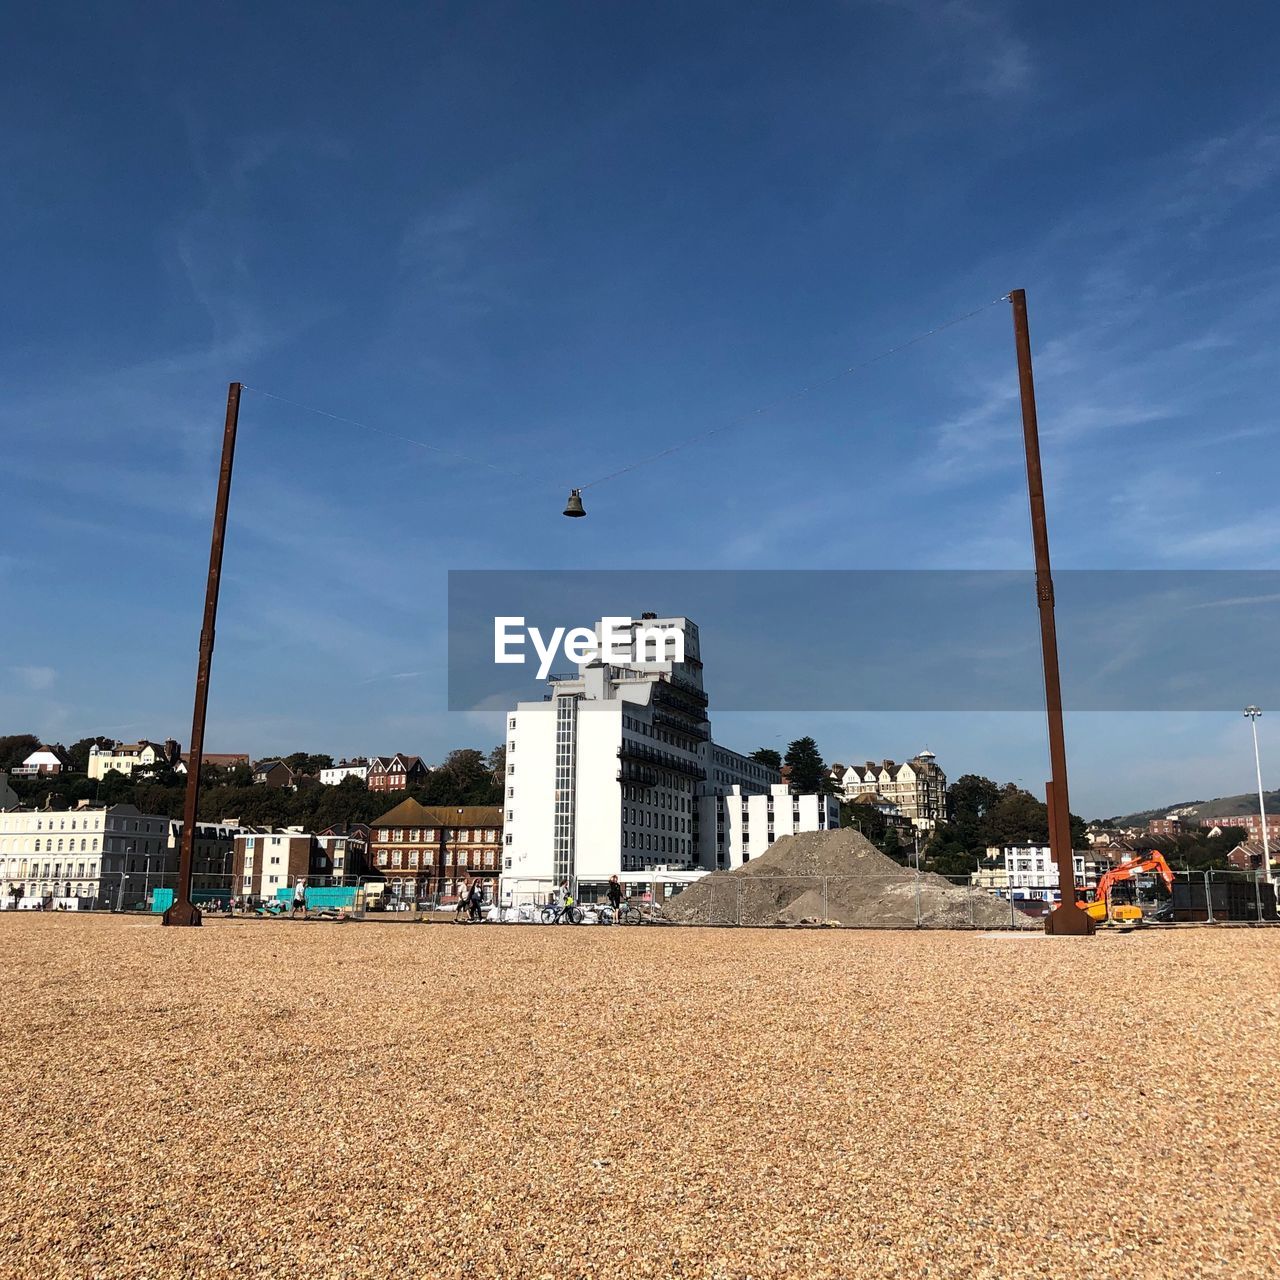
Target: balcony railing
(662, 759)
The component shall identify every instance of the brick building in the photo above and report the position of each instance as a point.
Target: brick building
(1251, 822)
(263, 862)
(395, 773)
(423, 850)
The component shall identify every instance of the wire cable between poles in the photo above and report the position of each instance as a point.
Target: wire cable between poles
(662, 453)
(393, 435)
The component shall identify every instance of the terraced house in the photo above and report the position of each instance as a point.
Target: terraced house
(422, 850)
(395, 773)
(108, 856)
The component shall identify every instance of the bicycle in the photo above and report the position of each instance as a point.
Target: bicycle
(626, 914)
(552, 914)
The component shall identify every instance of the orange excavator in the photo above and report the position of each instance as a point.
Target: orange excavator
(1138, 875)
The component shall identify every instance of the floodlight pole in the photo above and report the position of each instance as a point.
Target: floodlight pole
(1253, 713)
(1067, 917)
(183, 911)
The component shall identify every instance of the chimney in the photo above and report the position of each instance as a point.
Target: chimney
(172, 751)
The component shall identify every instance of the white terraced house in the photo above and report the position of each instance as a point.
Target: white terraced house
(614, 772)
(107, 856)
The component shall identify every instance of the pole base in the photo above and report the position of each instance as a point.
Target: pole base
(183, 914)
(1069, 921)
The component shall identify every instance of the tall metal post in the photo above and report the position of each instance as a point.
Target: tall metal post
(1067, 917)
(183, 911)
(1253, 713)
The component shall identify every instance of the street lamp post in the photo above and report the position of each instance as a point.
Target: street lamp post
(1253, 713)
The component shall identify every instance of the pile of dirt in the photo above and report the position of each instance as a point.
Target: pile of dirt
(822, 877)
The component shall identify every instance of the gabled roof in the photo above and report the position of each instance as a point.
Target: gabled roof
(409, 813)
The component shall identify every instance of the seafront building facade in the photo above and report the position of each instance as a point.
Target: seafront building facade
(614, 772)
(105, 856)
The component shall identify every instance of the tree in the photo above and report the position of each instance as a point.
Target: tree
(78, 752)
(306, 763)
(497, 762)
(866, 818)
(115, 788)
(808, 773)
(16, 748)
(893, 846)
(767, 756)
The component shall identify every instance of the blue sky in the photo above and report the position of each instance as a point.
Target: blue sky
(560, 237)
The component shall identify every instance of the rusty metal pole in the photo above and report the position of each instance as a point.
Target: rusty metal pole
(183, 911)
(1067, 918)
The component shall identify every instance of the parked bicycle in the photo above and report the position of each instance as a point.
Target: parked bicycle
(554, 913)
(626, 914)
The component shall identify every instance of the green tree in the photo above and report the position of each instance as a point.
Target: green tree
(808, 773)
(306, 763)
(866, 818)
(767, 756)
(115, 788)
(893, 845)
(79, 752)
(16, 748)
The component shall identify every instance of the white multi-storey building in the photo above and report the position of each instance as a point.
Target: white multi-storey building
(1030, 873)
(740, 825)
(614, 771)
(110, 855)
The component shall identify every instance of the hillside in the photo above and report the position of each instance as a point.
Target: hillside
(1223, 806)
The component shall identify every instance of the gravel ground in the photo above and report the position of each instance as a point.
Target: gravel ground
(271, 1098)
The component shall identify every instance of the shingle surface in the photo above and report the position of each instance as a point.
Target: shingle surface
(275, 1098)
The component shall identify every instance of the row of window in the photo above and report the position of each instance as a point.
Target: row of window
(62, 824)
(662, 821)
(655, 731)
(427, 835)
(46, 845)
(20, 870)
(412, 859)
(658, 844)
(664, 799)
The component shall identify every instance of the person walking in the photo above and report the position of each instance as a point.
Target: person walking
(475, 900)
(299, 898)
(615, 897)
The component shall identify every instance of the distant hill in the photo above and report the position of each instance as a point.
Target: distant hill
(1222, 807)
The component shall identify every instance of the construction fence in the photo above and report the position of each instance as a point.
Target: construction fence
(906, 900)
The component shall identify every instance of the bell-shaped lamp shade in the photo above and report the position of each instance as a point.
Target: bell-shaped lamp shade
(574, 506)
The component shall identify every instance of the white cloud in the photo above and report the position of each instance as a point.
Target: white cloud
(35, 678)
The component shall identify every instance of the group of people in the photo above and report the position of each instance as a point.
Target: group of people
(471, 902)
(562, 898)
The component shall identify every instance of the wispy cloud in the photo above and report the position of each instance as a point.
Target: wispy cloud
(35, 678)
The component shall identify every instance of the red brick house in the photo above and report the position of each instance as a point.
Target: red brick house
(396, 773)
(423, 850)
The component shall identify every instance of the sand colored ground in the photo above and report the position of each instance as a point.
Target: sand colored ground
(270, 1098)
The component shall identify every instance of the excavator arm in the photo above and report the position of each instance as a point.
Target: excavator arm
(1147, 864)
